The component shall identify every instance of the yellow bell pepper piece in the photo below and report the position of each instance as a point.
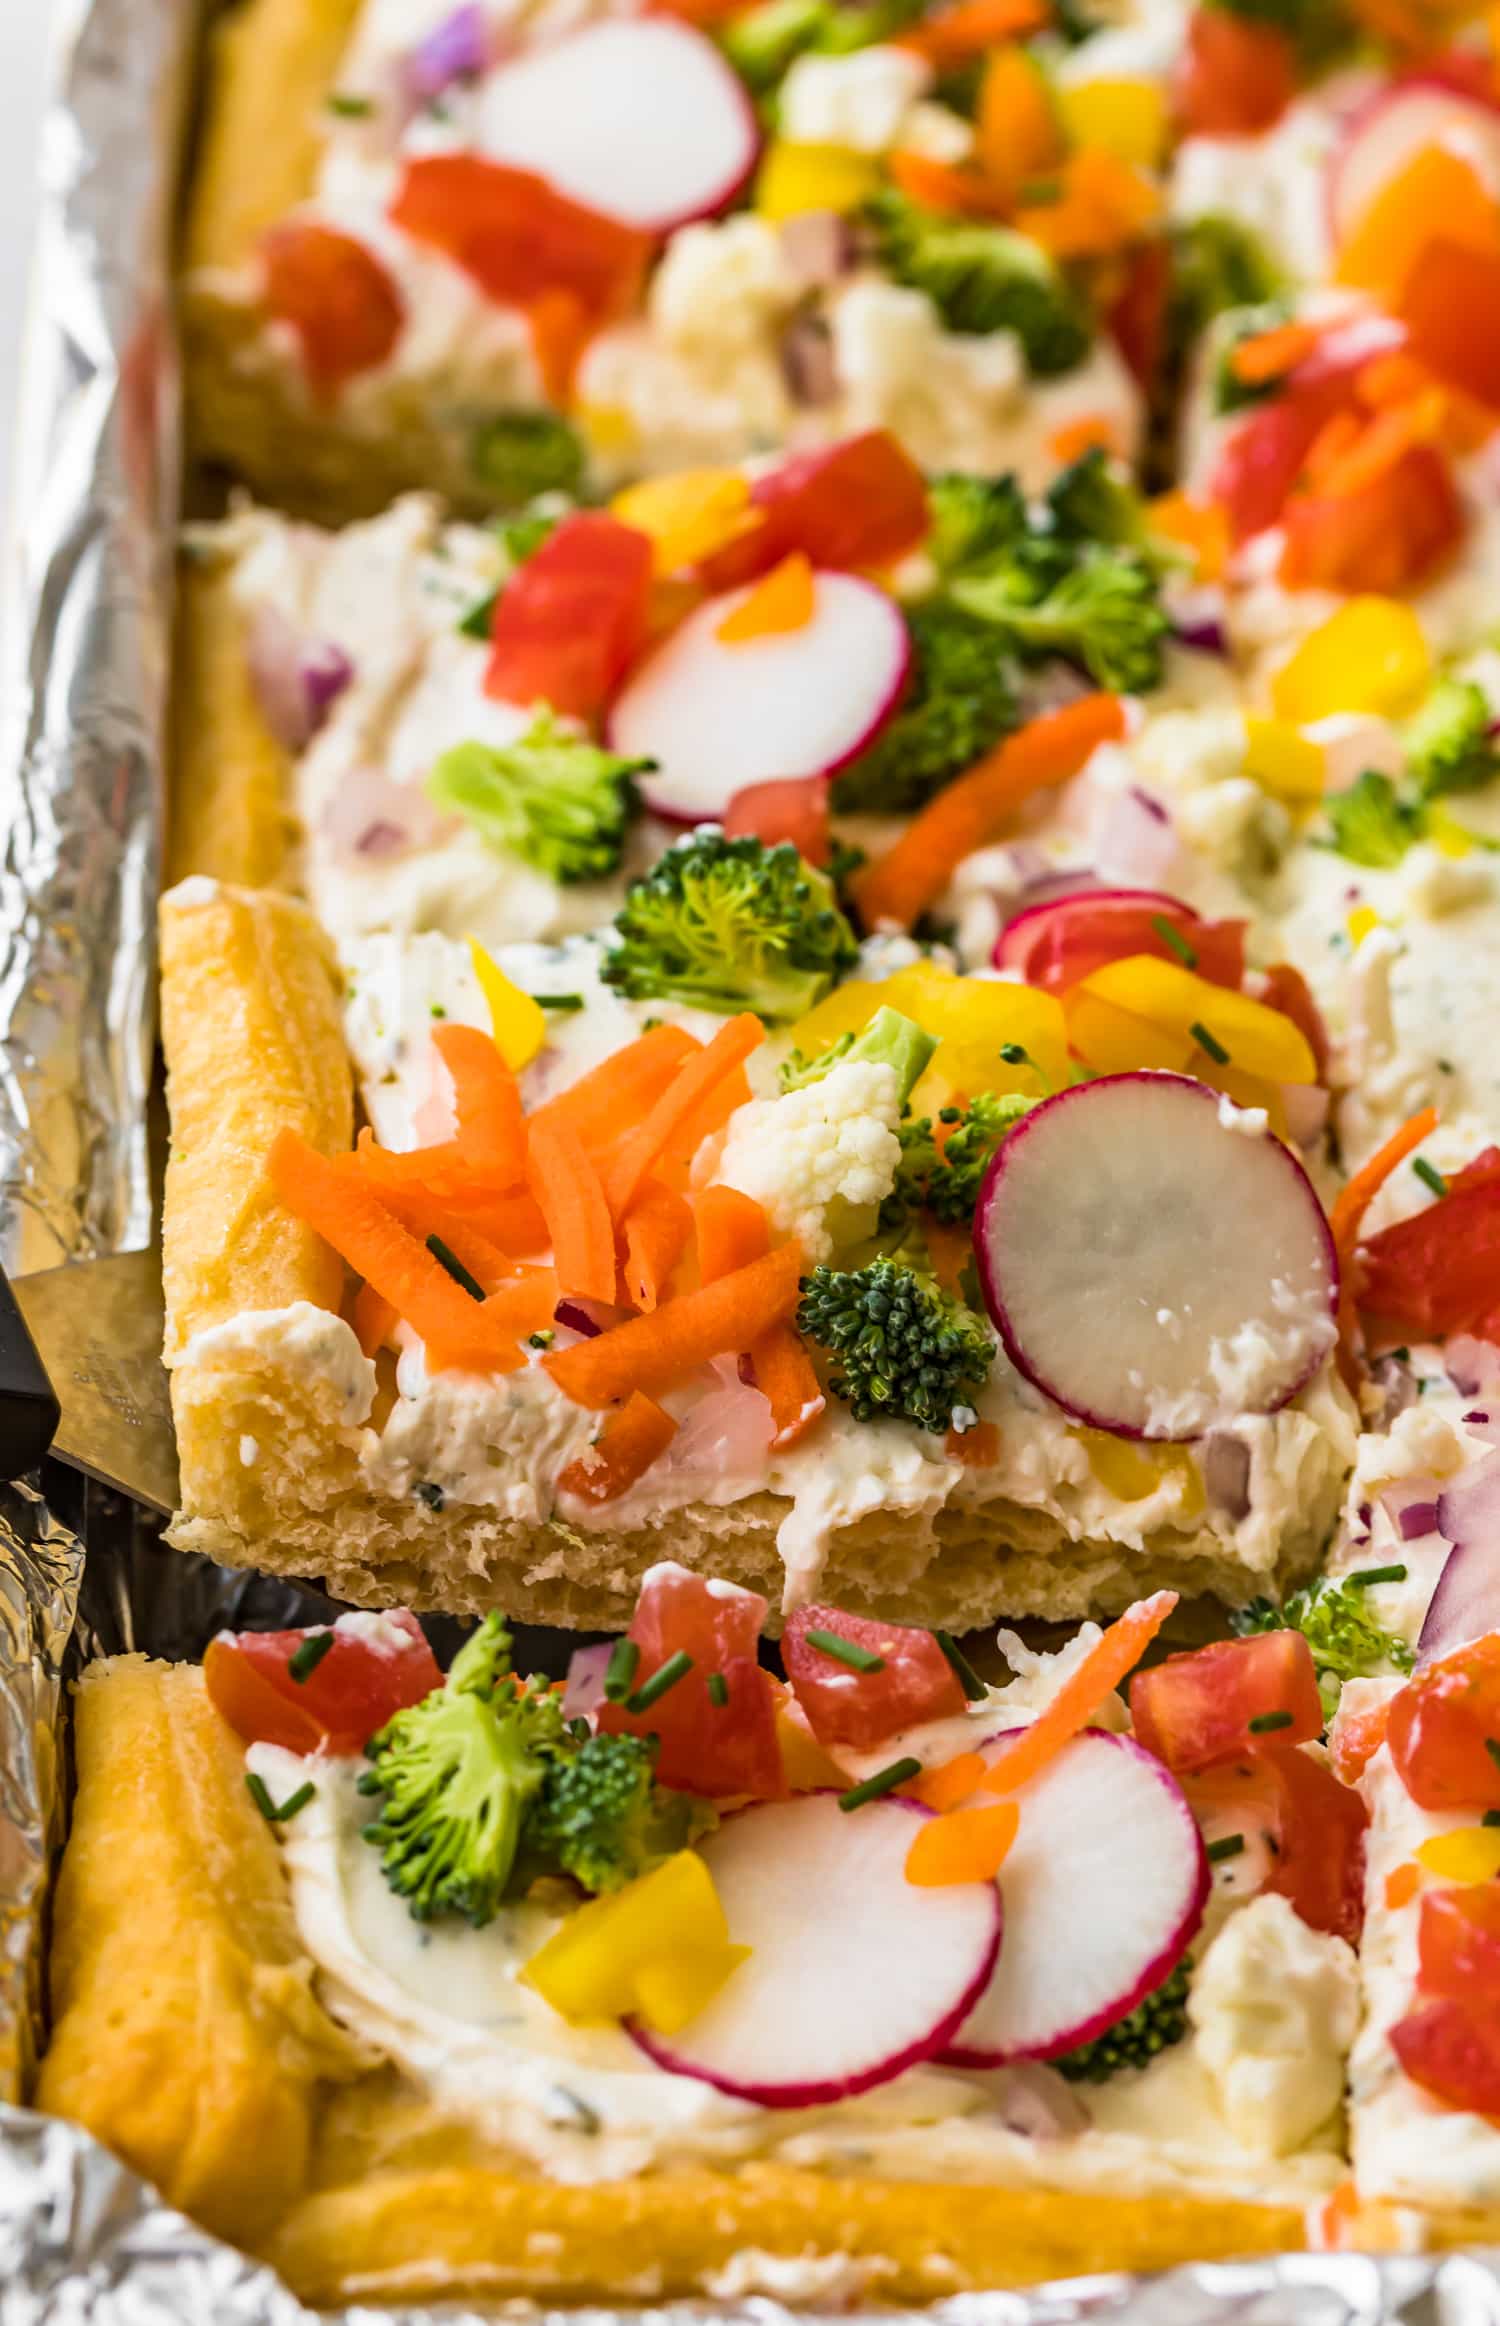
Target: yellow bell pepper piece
(1284, 761)
(1127, 118)
(794, 178)
(1360, 922)
(659, 1948)
(1472, 1855)
(1447, 834)
(1258, 1041)
(1116, 1041)
(608, 428)
(518, 1023)
(1369, 656)
(972, 1017)
(1131, 1472)
(688, 516)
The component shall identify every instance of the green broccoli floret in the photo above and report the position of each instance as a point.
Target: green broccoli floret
(945, 1180)
(888, 1040)
(982, 278)
(1449, 743)
(1371, 823)
(602, 1818)
(516, 455)
(730, 925)
(1346, 1641)
(1134, 2041)
(554, 799)
(1230, 392)
(1103, 613)
(1217, 264)
(972, 520)
(458, 1773)
(763, 43)
(901, 1346)
(1094, 500)
(961, 700)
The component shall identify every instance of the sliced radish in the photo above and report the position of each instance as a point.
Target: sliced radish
(1153, 1263)
(719, 716)
(638, 118)
(1466, 1604)
(1103, 1888)
(854, 1972)
(1389, 133)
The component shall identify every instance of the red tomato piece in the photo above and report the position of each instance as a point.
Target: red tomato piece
(1263, 458)
(1286, 989)
(517, 236)
(335, 295)
(1055, 945)
(858, 503)
(1450, 303)
(1237, 77)
(1212, 1703)
(1452, 2052)
(1459, 1943)
(795, 808)
(1438, 1273)
(1387, 536)
(1137, 320)
(718, 1750)
(1442, 1726)
(847, 1706)
(1355, 1737)
(1315, 1827)
(353, 1689)
(572, 618)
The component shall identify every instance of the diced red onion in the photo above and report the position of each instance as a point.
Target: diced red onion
(370, 817)
(726, 1434)
(1418, 1518)
(583, 1691)
(1037, 2103)
(1134, 839)
(455, 50)
(1411, 1506)
(1398, 1387)
(296, 680)
(1473, 1365)
(1226, 1473)
(588, 1318)
(1306, 1105)
(1466, 1603)
(1197, 618)
(807, 363)
(818, 247)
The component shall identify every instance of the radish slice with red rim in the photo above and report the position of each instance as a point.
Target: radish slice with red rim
(638, 118)
(854, 1973)
(718, 715)
(1386, 136)
(1153, 1262)
(1104, 1888)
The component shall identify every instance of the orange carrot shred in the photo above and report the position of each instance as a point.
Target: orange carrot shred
(657, 1229)
(526, 1302)
(621, 1088)
(487, 1097)
(1402, 1884)
(967, 29)
(629, 1443)
(650, 1352)
(968, 1845)
(1358, 1193)
(569, 1192)
(710, 1114)
(732, 1231)
(961, 191)
(1269, 355)
(423, 1215)
(951, 1782)
(374, 1320)
(1086, 1688)
(692, 1083)
(785, 1377)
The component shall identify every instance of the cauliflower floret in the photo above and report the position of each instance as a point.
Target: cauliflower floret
(860, 102)
(721, 290)
(1274, 2007)
(944, 395)
(820, 1160)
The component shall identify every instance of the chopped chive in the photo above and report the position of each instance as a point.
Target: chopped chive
(1209, 1042)
(718, 1690)
(1492, 1747)
(1491, 1818)
(1175, 940)
(1014, 1055)
(1364, 1577)
(844, 1651)
(455, 1267)
(348, 106)
(480, 618)
(1229, 1845)
(664, 1677)
(256, 1788)
(541, 1340)
(619, 1672)
(558, 1001)
(304, 1661)
(884, 1781)
(1430, 1175)
(1264, 1722)
(968, 1679)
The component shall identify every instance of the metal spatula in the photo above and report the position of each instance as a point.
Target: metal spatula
(81, 1375)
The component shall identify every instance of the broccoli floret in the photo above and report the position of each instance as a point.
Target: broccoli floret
(731, 925)
(1217, 264)
(1346, 1641)
(1104, 613)
(1094, 500)
(961, 700)
(945, 1179)
(763, 43)
(888, 1040)
(982, 278)
(1134, 2041)
(554, 799)
(516, 455)
(901, 1346)
(972, 520)
(1371, 823)
(458, 1773)
(602, 1818)
(1449, 744)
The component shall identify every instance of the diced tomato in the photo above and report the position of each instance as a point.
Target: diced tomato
(1237, 76)
(352, 1690)
(1459, 1943)
(1442, 1728)
(718, 1750)
(1387, 536)
(1452, 2052)
(1137, 320)
(1215, 1702)
(516, 235)
(1263, 458)
(1286, 989)
(795, 808)
(1057, 944)
(1438, 1273)
(335, 295)
(858, 503)
(912, 1681)
(1356, 1735)
(573, 617)
(1450, 303)
(1313, 1826)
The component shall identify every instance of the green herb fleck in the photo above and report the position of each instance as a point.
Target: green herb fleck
(664, 1677)
(968, 1679)
(256, 1788)
(455, 1267)
(304, 1660)
(620, 1671)
(1430, 1175)
(884, 1781)
(1228, 1845)
(1174, 940)
(1364, 1577)
(832, 1643)
(718, 1690)
(1209, 1043)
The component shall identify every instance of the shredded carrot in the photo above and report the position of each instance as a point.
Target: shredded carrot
(1270, 355)
(1402, 1884)
(961, 191)
(695, 1078)
(621, 1088)
(422, 1215)
(957, 34)
(350, 1216)
(487, 1098)
(1086, 1688)
(374, 1320)
(525, 1302)
(701, 1122)
(1381, 445)
(968, 1845)
(732, 1231)
(977, 1448)
(570, 1195)
(1199, 526)
(1335, 440)
(1089, 432)
(1016, 129)
(785, 1377)
(943, 1787)
(657, 1229)
(782, 600)
(1356, 1196)
(900, 885)
(650, 1352)
(438, 1171)
(630, 1441)
(1102, 204)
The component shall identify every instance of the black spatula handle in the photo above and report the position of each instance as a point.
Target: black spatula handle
(29, 1411)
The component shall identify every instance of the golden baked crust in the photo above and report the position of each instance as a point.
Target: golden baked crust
(188, 2038)
(230, 815)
